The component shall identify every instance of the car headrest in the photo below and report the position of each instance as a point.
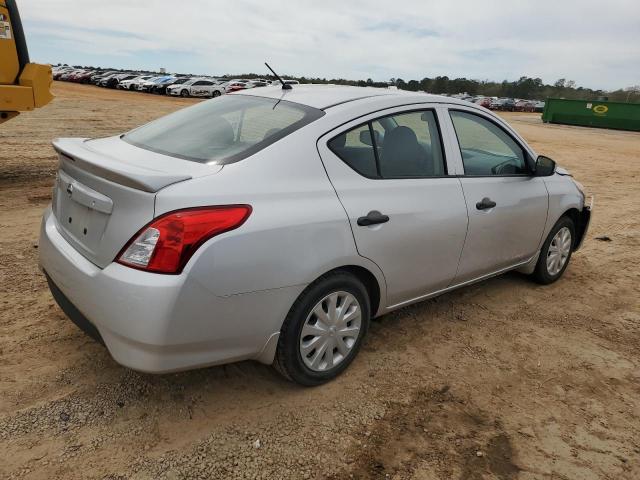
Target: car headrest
(400, 138)
(223, 132)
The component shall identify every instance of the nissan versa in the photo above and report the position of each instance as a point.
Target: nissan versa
(273, 224)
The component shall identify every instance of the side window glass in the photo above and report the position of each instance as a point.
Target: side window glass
(411, 146)
(486, 149)
(406, 145)
(355, 148)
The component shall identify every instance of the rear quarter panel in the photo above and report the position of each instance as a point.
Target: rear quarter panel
(297, 230)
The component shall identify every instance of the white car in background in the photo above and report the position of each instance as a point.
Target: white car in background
(141, 84)
(197, 87)
(132, 83)
(287, 82)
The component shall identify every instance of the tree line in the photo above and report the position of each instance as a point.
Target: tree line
(524, 87)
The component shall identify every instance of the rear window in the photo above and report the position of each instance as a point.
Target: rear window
(223, 130)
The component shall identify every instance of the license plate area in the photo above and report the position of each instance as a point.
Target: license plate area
(82, 213)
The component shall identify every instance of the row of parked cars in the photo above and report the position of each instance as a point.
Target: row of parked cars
(190, 86)
(504, 104)
(164, 84)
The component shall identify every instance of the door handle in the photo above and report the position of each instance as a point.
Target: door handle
(373, 217)
(485, 204)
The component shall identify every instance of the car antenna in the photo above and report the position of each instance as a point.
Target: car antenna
(285, 86)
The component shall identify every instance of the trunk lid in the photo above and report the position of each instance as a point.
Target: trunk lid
(105, 192)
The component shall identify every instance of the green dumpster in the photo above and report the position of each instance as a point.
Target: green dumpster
(593, 113)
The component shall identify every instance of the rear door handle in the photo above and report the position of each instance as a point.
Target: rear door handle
(373, 217)
(485, 204)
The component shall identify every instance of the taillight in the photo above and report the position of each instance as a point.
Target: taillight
(166, 244)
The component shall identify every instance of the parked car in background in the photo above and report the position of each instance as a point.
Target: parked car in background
(288, 82)
(161, 88)
(102, 82)
(64, 76)
(496, 103)
(84, 77)
(539, 107)
(95, 79)
(256, 83)
(132, 84)
(147, 85)
(150, 87)
(114, 81)
(197, 87)
(483, 102)
(508, 105)
(190, 242)
(520, 105)
(58, 70)
(58, 73)
(234, 85)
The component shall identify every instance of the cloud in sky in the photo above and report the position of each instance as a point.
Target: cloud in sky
(597, 44)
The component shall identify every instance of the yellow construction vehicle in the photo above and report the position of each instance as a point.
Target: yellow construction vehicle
(23, 85)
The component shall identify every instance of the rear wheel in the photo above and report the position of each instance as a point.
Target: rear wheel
(216, 93)
(556, 252)
(324, 329)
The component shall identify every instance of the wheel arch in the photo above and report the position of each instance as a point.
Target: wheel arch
(370, 282)
(375, 287)
(365, 271)
(579, 223)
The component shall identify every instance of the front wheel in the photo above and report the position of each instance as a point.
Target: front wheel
(216, 93)
(556, 252)
(324, 329)
(184, 93)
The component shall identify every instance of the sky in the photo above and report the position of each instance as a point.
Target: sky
(595, 43)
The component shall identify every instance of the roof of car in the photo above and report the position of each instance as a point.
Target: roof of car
(327, 96)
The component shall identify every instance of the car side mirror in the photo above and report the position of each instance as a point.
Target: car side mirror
(544, 166)
(365, 137)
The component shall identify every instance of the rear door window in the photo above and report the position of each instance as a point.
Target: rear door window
(404, 145)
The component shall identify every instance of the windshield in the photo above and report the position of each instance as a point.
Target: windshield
(223, 130)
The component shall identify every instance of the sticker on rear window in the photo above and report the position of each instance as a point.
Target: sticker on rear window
(5, 30)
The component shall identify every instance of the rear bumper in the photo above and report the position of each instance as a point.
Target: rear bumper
(72, 312)
(160, 323)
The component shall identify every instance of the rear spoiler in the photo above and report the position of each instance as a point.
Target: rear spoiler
(74, 153)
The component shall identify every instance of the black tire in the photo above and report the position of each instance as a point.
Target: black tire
(288, 360)
(541, 274)
(184, 93)
(215, 94)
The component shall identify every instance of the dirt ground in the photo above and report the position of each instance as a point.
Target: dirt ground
(502, 380)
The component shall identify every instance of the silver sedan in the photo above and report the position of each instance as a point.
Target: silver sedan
(273, 224)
